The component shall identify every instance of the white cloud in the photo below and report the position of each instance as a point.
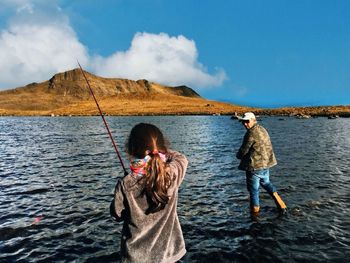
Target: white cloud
(36, 45)
(160, 58)
(39, 42)
(33, 53)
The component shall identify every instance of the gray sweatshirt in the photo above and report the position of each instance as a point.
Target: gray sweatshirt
(156, 237)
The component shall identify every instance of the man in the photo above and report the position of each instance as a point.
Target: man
(257, 156)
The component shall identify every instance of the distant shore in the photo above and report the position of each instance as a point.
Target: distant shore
(307, 112)
(298, 112)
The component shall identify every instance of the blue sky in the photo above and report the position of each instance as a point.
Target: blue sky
(257, 53)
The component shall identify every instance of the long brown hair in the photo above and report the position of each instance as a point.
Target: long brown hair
(146, 139)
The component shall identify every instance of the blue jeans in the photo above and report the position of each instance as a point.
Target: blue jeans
(254, 180)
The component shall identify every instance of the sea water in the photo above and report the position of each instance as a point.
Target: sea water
(57, 177)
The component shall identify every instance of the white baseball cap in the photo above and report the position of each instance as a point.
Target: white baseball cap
(247, 116)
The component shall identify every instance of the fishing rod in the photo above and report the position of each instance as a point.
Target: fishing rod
(104, 121)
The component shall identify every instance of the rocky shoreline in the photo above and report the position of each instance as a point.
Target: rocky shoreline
(330, 112)
(309, 112)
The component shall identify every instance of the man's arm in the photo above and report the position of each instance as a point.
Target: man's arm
(246, 145)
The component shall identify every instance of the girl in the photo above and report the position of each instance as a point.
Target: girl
(146, 199)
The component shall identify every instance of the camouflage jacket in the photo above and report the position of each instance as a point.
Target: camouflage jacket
(256, 151)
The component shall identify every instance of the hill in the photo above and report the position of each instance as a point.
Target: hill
(67, 93)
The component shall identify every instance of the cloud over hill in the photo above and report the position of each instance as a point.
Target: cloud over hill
(39, 41)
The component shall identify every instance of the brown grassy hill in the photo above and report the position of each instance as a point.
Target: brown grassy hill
(67, 94)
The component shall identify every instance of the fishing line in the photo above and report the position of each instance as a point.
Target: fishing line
(104, 121)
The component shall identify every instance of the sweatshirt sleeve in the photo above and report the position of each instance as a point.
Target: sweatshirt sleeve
(178, 165)
(117, 208)
(248, 141)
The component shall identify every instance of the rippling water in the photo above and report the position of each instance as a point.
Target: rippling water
(57, 177)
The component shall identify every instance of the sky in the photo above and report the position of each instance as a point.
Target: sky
(270, 53)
